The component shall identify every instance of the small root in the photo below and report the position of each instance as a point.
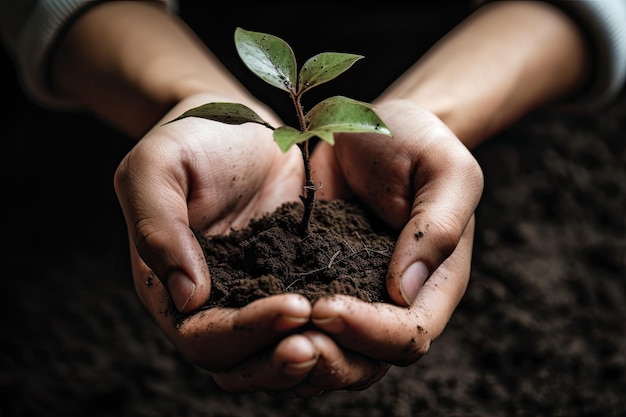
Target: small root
(334, 259)
(330, 264)
(292, 283)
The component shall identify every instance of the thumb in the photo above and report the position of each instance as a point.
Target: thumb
(160, 235)
(171, 250)
(440, 215)
(422, 246)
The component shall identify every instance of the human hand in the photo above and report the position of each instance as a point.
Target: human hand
(425, 183)
(211, 177)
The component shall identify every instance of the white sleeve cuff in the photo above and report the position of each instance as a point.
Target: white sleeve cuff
(604, 22)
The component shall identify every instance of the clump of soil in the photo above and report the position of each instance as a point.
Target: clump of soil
(346, 251)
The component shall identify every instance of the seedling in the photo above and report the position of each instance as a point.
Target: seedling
(273, 60)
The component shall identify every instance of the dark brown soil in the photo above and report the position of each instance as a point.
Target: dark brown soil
(346, 251)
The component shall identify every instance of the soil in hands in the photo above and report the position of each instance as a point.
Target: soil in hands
(346, 251)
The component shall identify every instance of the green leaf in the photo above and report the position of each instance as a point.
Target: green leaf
(324, 67)
(333, 115)
(230, 113)
(286, 136)
(341, 114)
(269, 57)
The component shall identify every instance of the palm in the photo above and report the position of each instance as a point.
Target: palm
(426, 184)
(209, 177)
(235, 176)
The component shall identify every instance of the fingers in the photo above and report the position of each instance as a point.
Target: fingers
(340, 369)
(254, 348)
(446, 184)
(302, 366)
(384, 332)
(155, 209)
(396, 334)
(279, 369)
(441, 212)
(220, 338)
(428, 239)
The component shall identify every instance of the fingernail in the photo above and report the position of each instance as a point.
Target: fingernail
(300, 368)
(181, 289)
(412, 280)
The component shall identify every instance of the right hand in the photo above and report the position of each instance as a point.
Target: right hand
(426, 184)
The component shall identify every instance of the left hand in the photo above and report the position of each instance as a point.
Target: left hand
(425, 183)
(210, 177)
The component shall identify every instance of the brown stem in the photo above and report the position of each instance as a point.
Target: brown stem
(309, 186)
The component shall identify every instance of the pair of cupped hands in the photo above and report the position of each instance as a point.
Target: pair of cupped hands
(211, 177)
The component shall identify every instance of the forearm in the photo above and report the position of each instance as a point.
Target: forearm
(130, 62)
(505, 60)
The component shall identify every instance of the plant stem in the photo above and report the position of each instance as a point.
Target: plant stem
(309, 186)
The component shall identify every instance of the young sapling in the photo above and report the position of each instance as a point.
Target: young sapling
(273, 60)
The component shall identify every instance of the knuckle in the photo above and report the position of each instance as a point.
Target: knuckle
(146, 236)
(474, 172)
(471, 174)
(121, 175)
(446, 235)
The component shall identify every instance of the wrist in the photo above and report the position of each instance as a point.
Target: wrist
(505, 60)
(130, 74)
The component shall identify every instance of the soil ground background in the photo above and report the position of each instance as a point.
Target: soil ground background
(541, 330)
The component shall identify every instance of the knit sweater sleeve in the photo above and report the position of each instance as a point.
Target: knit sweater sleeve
(29, 29)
